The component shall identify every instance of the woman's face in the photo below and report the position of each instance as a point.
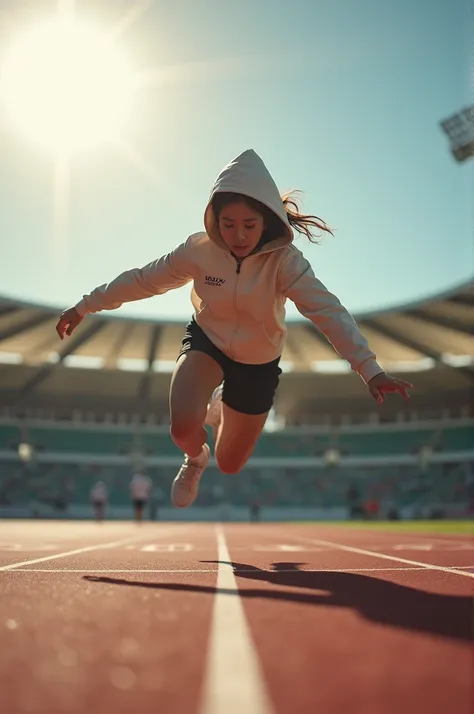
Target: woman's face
(241, 227)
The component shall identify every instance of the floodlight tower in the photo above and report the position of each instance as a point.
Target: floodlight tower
(460, 131)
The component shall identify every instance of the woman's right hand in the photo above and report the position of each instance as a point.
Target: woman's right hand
(68, 322)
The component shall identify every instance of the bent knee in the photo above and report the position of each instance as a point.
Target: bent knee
(228, 464)
(181, 429)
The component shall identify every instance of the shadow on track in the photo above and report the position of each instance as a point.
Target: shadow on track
(377, 600)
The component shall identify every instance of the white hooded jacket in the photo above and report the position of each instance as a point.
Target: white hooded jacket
(240, 305)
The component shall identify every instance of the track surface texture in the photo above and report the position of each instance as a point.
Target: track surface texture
(234, 619)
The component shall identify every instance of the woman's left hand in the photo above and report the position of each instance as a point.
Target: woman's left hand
(383, 383)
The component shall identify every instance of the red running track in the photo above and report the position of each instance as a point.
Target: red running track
(224, 619)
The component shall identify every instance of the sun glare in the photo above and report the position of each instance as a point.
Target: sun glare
(66, 87)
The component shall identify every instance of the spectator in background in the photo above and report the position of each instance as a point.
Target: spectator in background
(254, 507)
(98, 497)
(372, 509)
(140, 489)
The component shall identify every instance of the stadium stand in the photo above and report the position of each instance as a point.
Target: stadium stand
(80, 412)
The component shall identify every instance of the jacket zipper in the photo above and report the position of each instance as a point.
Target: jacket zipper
(237, 270)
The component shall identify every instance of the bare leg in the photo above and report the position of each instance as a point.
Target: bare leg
(195, 377)
(138, 513)
(236, 437)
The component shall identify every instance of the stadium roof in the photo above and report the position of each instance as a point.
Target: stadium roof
(125, 359)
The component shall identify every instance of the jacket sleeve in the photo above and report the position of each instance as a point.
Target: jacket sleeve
(314, 301)
(166, 273)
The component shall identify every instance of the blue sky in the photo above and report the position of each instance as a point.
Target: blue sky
(341, 99)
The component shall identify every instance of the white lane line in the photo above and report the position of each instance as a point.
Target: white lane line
(87, 549)
(99, 571)
(237, 570)
(234, 682)
(411, 537)
(374, 554)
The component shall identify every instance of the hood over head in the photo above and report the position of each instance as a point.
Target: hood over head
(248, 175)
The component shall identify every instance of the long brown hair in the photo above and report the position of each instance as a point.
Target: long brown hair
(302, 223)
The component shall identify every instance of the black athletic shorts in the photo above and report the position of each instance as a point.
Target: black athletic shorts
(248, 388)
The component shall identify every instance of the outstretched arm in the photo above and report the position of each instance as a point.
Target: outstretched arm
(158, 277)
(166, 273)
(314, 301)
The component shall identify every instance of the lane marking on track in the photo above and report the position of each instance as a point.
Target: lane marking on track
(419, 545)
(285, 548)
(439, 547)
(408, 545)
(65, 554)
(468, 540)
(237, 570)
(231, 650)
(167, 548)
(384, 556)
(22, 547)
(141, 571)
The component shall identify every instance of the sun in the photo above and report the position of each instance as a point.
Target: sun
(66, 87)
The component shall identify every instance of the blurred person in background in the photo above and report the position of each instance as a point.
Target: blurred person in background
(140, 490)
(99, 498)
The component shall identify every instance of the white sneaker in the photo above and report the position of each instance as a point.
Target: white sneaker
(214, 409)
(184, 489)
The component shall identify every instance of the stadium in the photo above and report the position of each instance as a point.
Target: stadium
(95, 408)
(334, 572)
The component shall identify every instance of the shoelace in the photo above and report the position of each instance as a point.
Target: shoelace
(189, 472)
